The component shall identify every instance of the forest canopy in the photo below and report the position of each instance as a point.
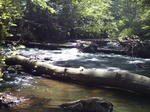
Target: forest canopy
(43, 20)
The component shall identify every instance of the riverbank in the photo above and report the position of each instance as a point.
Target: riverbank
(130, 47)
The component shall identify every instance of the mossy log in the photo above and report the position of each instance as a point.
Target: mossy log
(119, 79)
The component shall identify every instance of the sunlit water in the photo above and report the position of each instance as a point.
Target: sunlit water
(44, 95)
(73, 58)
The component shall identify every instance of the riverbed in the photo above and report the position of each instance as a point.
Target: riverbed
(45, 95)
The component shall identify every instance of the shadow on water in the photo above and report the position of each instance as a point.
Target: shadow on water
(46, 95)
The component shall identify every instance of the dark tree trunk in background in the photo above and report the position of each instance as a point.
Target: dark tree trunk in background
(73, 34)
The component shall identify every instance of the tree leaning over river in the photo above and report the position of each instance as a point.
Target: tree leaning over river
(119, 79)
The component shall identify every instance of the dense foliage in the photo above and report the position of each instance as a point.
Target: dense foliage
(131, 18)
(43, 20)
(10, 10)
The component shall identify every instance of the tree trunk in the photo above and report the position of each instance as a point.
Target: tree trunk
(119, 79)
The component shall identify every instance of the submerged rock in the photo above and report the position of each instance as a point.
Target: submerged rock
(94, 104)
(8, 101)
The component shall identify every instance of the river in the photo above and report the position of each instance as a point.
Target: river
(73, 58)
(45, 94)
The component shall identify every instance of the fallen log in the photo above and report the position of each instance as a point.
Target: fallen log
(119, 79)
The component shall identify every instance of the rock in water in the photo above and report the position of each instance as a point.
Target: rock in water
(7, 101)
(94, 104)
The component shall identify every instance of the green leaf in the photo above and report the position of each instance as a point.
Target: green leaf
(21, 46)
(12, 24)
(9, 35)
(145, 27)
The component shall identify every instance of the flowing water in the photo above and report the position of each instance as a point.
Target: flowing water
(73, 58)
(44, 95)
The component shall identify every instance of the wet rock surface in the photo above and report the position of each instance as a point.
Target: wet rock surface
(94, 104)
(8, 101)
(10, 72)
(132, 47)
(86, 46)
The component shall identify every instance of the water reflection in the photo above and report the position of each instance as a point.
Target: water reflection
(45, 95)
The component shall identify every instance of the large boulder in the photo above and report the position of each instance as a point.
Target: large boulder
(94, 104)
